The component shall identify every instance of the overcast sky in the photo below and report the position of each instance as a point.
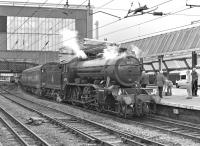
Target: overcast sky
(132, 28)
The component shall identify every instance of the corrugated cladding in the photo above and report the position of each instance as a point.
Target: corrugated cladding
(176, 41)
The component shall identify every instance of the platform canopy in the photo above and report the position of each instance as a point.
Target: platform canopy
(176, 48)
(178, 42)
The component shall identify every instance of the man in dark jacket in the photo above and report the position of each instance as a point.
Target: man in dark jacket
(144, 80)
(194, 82)
(160, 82)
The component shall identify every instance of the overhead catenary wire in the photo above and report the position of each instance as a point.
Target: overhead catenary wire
(103, 25)
(14, 20)
(112, 23)
(105, 4)
(50, 12)
(125, 28)
(18, 13)
(124, 18)
(46, 43)
(118, 9)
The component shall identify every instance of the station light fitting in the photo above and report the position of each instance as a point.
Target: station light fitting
(143, 10)
(135, 12)
(140, 9)
(158, 13)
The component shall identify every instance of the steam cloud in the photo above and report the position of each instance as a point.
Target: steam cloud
(111, 52)
(70, 42)
(134, 49)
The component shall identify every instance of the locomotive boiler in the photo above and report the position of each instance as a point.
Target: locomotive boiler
(125, 71)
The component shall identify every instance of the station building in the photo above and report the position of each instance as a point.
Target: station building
(30, 32)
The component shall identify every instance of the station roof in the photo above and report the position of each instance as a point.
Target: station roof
(180, 42)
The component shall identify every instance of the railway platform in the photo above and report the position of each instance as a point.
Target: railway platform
(179, 99)
(179, 107)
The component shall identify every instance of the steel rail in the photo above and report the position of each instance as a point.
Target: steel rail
(124, 137)
(38, 140)
(19, 139)
(168, 128)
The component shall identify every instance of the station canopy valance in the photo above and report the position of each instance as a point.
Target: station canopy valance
(173, 42)
(170, 65)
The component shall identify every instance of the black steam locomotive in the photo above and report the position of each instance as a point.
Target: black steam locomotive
(102, 84)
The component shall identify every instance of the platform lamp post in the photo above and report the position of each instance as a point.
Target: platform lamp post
(141, 62)
(160, 60)
(194, 59)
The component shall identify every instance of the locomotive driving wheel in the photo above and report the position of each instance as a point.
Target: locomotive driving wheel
(86, 96)
(145, 108)
(122, 110)
(75, 95)
(67, 93)
(87, 93)
(99, 108)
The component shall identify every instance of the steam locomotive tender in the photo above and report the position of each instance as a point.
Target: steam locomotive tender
(43, 80)
(101, 84)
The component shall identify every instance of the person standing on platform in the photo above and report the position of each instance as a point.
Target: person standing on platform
(144, 80)
(169, 85)
(194, 82)
(189, 84)
(160, 82)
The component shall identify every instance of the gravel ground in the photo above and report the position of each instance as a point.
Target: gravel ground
(4, 135)
(156, 135)
(48, 132)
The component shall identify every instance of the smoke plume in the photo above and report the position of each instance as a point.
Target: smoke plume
(110, 52)
(134, 50)
(69, 39)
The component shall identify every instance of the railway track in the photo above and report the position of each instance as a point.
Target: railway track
(185, 129)
(19, 134)
(91, 131)
(176, 127)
